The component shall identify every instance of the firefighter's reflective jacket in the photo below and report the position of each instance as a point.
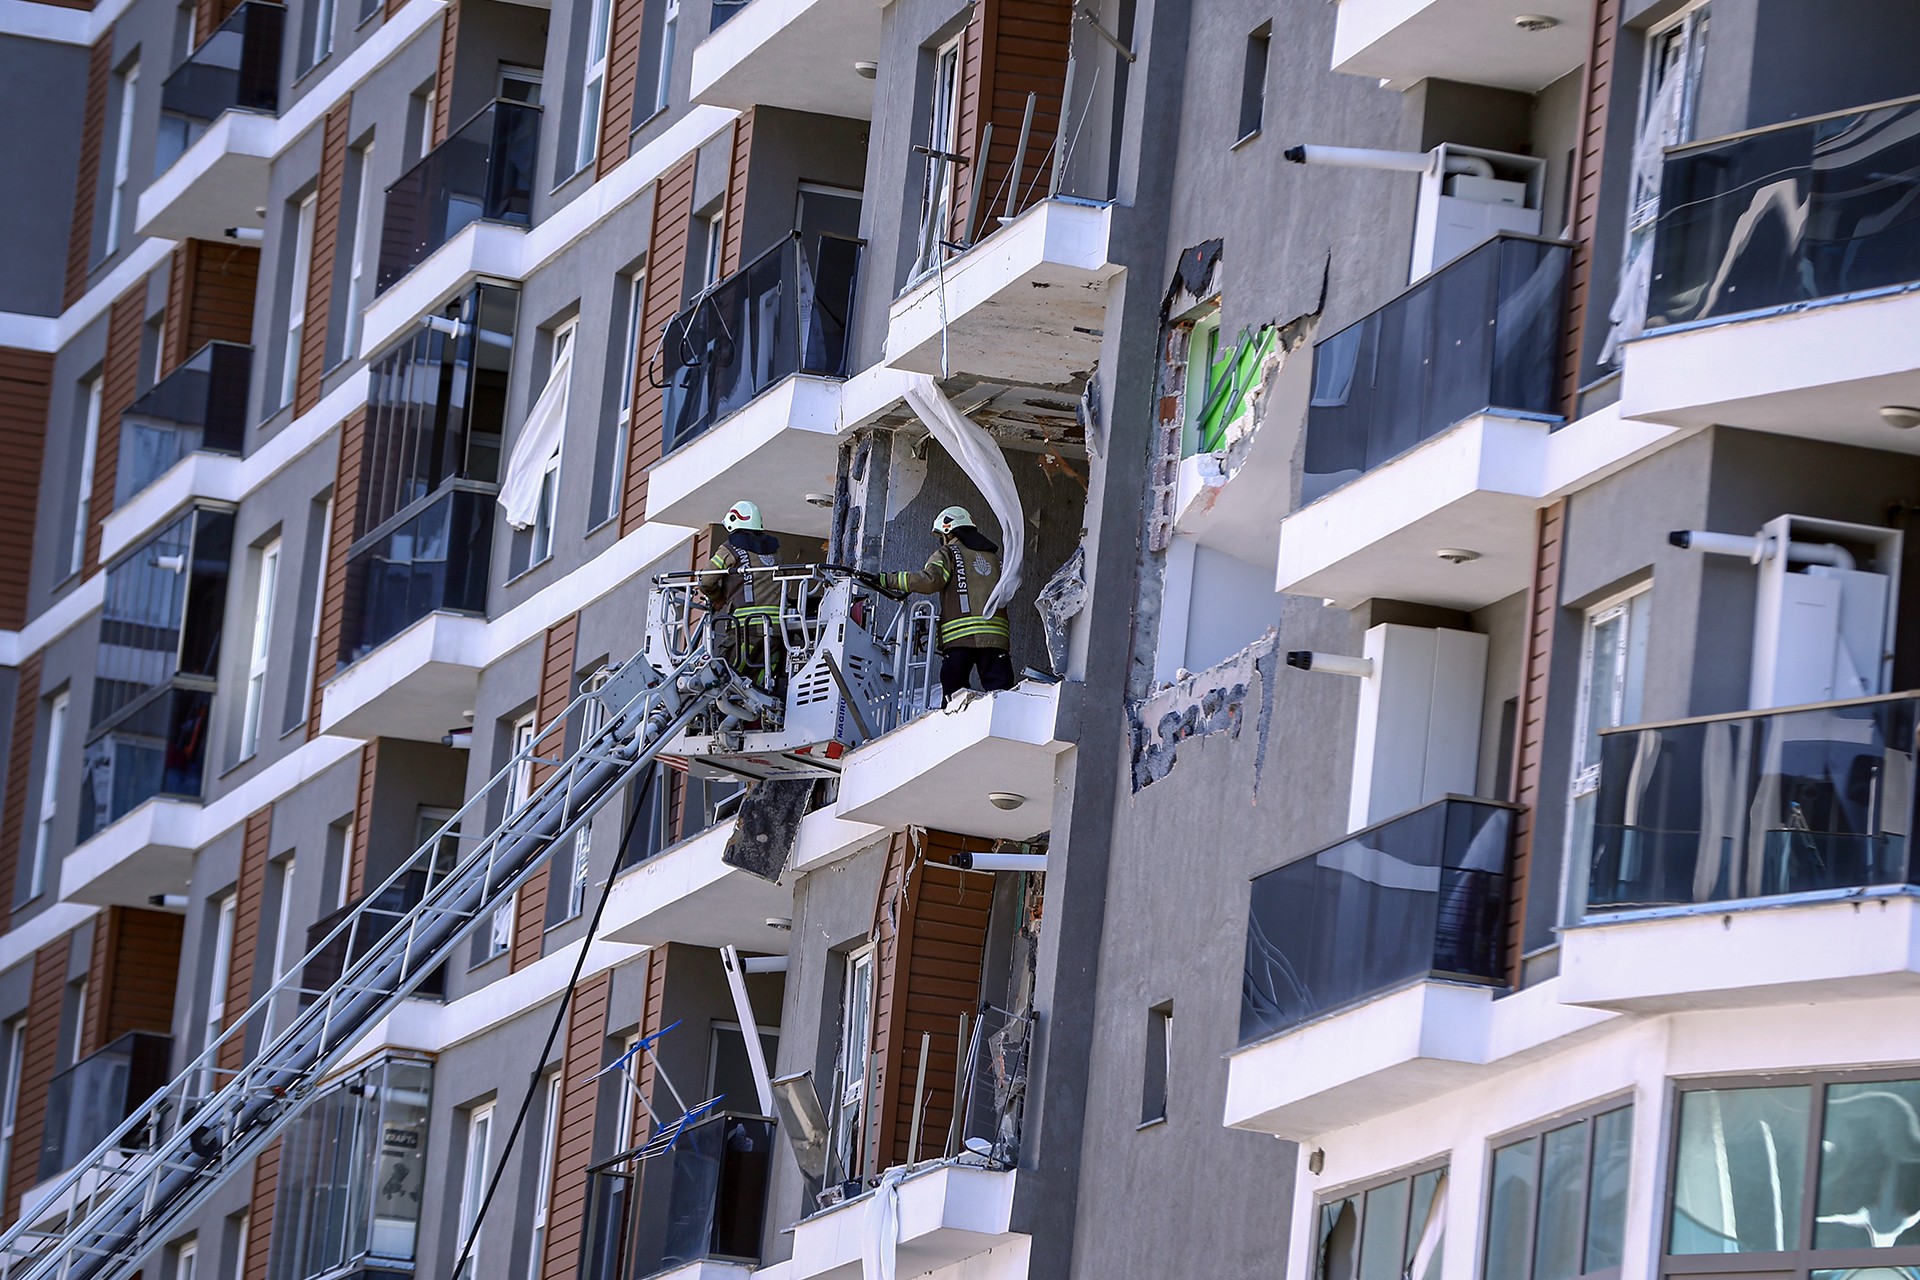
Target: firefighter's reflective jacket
(729, 591)
(962, 571)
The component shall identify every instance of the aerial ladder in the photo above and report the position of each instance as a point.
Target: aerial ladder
(135, 1190)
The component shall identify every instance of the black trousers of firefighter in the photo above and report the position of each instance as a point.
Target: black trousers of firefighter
(957, 664)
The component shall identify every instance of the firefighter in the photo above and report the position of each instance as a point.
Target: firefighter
(746, 625)
(962, 571)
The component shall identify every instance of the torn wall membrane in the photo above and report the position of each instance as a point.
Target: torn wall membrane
(1203, 704)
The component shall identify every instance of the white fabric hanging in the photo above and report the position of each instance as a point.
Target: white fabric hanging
(539, 440)
(970, 446)
(880, 1244)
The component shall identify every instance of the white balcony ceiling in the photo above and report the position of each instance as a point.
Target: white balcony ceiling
(1474, 41)
(797, 54)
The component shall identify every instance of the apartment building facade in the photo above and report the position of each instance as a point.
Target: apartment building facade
(1452, 818)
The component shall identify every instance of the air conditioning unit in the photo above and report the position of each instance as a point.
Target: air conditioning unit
(1467, 196)
(1823, 621)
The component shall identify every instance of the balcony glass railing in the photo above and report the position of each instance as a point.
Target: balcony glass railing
(1813, 209)
(384, 911)
(237, 68)
(1423, 895)
(90, 1099)
(434, 560)
(484, 171)
(199, 407)
(703, 1198)
(1755, 805)
(784, 313)
(1480, 335)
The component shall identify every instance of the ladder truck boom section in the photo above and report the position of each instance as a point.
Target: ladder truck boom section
(133, 1191)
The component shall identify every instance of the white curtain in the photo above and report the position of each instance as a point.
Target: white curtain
(539, 440)
(970, 445)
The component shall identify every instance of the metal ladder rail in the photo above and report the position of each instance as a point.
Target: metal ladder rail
(124, 1201)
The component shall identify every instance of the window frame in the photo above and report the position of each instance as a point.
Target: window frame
(1583, 783)
(555, 1089)
(186, 1258)
(213, 1025)
(320, 39)
(266, 583)
(59, 712)
(473, 1188)
(540, 537)
(593, 718)
(593, 85)
(298, 282)
(89, 463)
(499, 939)
(1159, 1056)
(13, 1043)
(1537, 1130)
(663, 84)
(1794, 1264)
(357, 264)
(1442, 1164)
(849, 1136)
(122, 172)
(943, 129)
(616, 477)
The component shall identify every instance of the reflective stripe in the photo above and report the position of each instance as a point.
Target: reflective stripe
(959, 572)
(757, 611)
(970, 628)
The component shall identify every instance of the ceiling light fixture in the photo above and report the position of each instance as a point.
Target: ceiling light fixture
(1006, 799)
(1457, 555)
(866, 70)
(1904, 416)
(820, 500)
(1535, 22)
(780, 924)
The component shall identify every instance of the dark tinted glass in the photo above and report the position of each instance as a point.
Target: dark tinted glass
(237, 68)
(482, 172)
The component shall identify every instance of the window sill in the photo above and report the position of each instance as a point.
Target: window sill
(241, 763)
(537, 564)
(1245, 138)
(600, 524)
(1154, 1123)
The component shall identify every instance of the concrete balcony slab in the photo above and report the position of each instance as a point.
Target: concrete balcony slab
(1473, 41)
(1474, 488)
(1818, 370)
(797, 54)
(218, 183)
(686, 894)
(948, 1214)
(417, 685)
(938, 770)
(148, 851)
(1787, 953)
(1025, 306)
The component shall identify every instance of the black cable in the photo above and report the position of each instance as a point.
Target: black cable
(559, 1017)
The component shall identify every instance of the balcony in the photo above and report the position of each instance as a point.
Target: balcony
(685, 893)
(157, 666)
(797, 54)
(1785, 267)
(1026, 306)
(432, 560)
(217, 130)
(1432, 425)
(941, 769)
(93, 1097)
(483, 172)
(199, 407)
(1474, 41)
(948, 1214)
(707, 1204)
(146, 851)
(388, 906)
(757, 361)
(1753, 857)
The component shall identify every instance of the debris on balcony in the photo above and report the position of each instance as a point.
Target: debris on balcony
(770, 815)
(1064, 596)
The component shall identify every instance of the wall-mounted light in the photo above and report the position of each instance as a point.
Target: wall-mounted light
(866, 70)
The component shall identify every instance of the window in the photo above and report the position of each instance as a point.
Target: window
(265, 582)
(713, 234)
(624, 1112)
(89, 453)
(542, 545)
(122, 156)
(611, 463)
(1253, 81)
(241, 1222)
(593, 718)
(473, 1184)
(1159, 1065)
(543, 1176)
(1613, 668)
(943, 131)
(319, 541)
(1558, 1204)
(593, 84)
(1203, 354)
(186, 1259)
(663, 79)
(13, 1042)
(360, 268)
(283, 919)
(519, 787)
(320, 37)
(49, 794)
(650, 832)
(1395, 1229)
(730, 1070)
(518, 84)
(297, 298)
(1821, 1174)
(223, 918)
(856, 1013)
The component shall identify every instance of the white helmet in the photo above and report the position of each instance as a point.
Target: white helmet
(950, 519)
(743, 515)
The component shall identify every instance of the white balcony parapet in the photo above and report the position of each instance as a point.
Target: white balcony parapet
(941, 769)
(218, 183)
(948, 1213)
(1393, 1051)
(797, 54)
(1818, 370)
(1473, 41)
(1474, 487)
(1026, 306)
(687, 894)
(1859, 945)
